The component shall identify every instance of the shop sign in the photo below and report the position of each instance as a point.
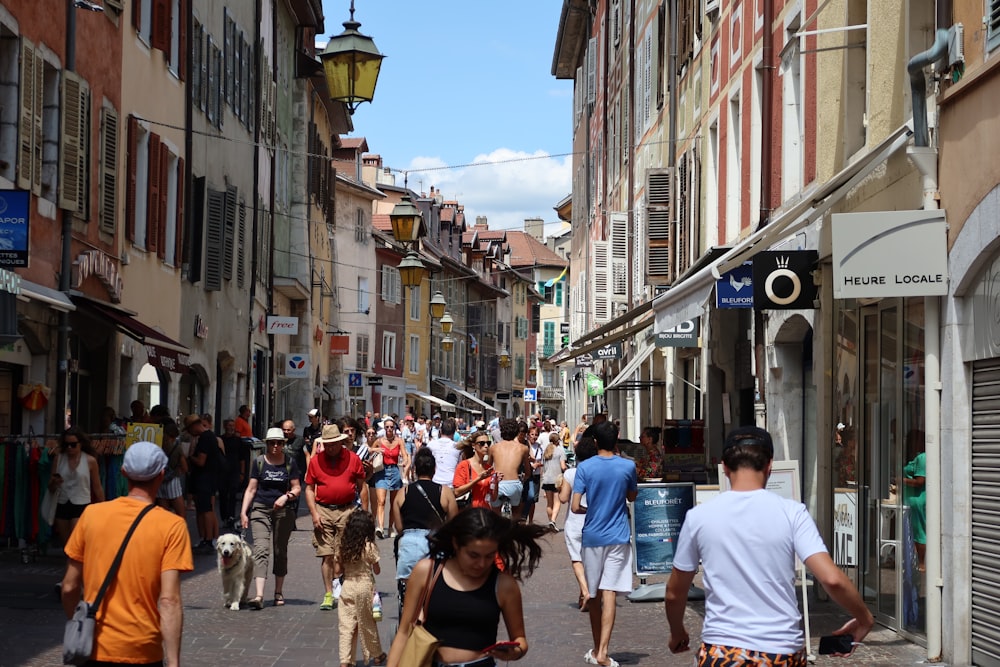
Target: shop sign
(374, 380)
(297, 366)
(657, 516)
(167, 359)
(10, 282)
(200, 328)
(684, 334)
(286, 326)
(609, 351)
(518, 393)
(503, 396)
(890, 254)
(100, 265)
(585, 361)
(784, 280)
(564, 328)
(735, 288)
(14, 228)
(340, 344)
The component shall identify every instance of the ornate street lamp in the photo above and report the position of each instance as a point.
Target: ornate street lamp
(447, 343)
(406, 221)
(411, 270)
(504, 357)
(447, 323)
(438, 305)
(351, 63)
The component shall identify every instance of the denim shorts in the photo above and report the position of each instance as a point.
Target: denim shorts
(388, 478)
(412, 548)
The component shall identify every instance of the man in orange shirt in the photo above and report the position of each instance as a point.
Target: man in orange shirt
(141, 617)
(243, 422)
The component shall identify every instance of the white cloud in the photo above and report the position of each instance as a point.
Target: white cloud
(504, 185)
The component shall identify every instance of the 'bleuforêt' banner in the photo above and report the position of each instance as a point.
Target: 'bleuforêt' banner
(657, 516)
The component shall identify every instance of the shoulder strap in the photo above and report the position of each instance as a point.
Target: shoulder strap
(428, 499)
(117, 562)
(425, 595)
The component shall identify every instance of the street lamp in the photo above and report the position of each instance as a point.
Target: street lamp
(438, 305)
(406, 221)
(504, 356)
(351, 62)
(447, 343)
(411, 270)
(447, 323)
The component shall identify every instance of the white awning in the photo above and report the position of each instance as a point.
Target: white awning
(646, 348)
(615, 323)
(34, 292)
(600, 342)
(688, 299)
(458, 390)
(443, 404)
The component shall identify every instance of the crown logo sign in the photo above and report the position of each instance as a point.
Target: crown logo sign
(782, 262)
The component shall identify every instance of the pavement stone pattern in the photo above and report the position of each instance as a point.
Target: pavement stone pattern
(300, 634)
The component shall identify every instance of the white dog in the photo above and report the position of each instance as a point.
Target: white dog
(236, 567)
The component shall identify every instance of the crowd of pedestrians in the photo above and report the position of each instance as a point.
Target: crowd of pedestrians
(460, 505)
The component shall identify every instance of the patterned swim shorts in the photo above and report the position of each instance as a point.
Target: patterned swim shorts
(712, 655)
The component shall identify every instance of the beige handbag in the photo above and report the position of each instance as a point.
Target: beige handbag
(420, 644)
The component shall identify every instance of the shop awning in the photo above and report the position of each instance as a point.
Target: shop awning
(162, 351)
(440, 402)
(35, 292)
(688, 298)
(646, 348)
(615, 323)
(601, 342)
(461, 392)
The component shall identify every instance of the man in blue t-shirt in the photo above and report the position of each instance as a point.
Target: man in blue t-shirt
(610, 483)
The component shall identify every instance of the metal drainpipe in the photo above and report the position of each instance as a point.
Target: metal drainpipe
(924, 157)
(766, 135)
(65, 264)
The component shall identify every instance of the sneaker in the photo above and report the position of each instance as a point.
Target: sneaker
(377, 607)
(379, 534)
(393, 534)
(337, 588)
(327, 603)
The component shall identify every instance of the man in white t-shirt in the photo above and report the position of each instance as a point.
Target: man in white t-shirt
(747, 541)
(446, 455)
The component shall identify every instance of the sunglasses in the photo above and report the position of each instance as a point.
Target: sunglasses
(72, 443)
(482, 442)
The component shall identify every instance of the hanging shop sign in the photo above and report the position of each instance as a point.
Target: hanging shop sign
(287, 326)
(14, 228)
(340, 344)
(595, 385)
(684, 334)
(585, 361)
(609, 351)
(374, 380)
(890, 254)
(735, 288)
(784, 280)
(297, 366)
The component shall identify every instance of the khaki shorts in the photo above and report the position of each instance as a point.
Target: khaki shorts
(326, 539)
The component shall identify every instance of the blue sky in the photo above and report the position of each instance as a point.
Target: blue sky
(469, 82)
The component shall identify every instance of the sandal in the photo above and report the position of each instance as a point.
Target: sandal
(279, 600)
(256, 603)
(380, 660)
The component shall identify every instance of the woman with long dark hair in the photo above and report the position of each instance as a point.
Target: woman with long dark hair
(468, 594)
(75, 478)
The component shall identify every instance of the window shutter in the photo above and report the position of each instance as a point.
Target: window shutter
(993, 25)
(683, 209)
(26, 118)
(227, 54)
(136, 14)
(230, 232)
(659, 214)
(619, 254)
(133, 167)
(214, 240)
(160, 31)
(592, 70)
(182, 39)
(161, 249)
(242, 245)
(179, 243)
(153, 194)
(69, 153)
(38, 135)
(108, 171)
(647, 85)
(196, 235)
(384, 292)
(601, 295)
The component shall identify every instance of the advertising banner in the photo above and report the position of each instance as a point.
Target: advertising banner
(609, 351)
(784, 280)
(735, 288)
(684, 334)
(14, 207)
(657, 516)
(595, 385)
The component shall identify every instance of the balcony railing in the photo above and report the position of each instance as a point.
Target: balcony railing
(550, 394)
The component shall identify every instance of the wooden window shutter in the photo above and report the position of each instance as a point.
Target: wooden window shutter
(179, 236)
(38, 139)
(229, 233)
(26, 118)
(214, 240)
(132, 166)
(71, 129)
(195, 214)
(241, 266)
(108, 172)
(619, 254)
(228, 28)
(182, 39)
(153, 191)
(137, 14)
(601, 294)
(160, 31)
(659, 217)
(161, 243)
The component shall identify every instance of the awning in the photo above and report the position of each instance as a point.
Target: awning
(35, 292)
(646, 348)
(161, 350)
(688, 298)
(601, 342)
(615, 323)
(458, 390)
(440, 402)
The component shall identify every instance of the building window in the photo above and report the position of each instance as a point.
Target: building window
(391, 284)
(388, 350)
(363, 303)
(549, 339)
(414, 361)
(361, 358)
(360, 227)
(414, 297)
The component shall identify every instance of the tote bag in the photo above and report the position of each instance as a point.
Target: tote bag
(421, 644)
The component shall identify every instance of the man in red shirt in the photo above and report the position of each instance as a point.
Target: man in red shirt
(243, 422)
(333, 482)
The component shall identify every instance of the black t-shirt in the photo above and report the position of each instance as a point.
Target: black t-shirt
(236, 452)
(272, 480)
(207, 476)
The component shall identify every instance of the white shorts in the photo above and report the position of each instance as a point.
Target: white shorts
(608, 568)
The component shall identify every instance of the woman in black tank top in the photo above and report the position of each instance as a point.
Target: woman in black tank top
(470, 594)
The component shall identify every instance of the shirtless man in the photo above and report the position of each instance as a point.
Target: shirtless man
(510, 459)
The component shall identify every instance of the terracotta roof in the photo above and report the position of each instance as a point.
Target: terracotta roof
(354, 142)
(447, 214)
(526, 250)
(492, 234)
(381, 222)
